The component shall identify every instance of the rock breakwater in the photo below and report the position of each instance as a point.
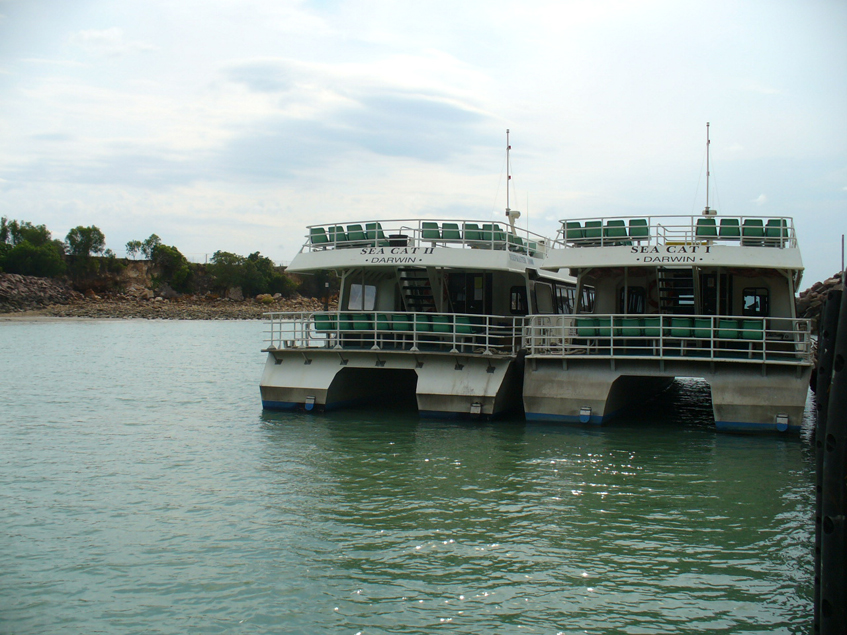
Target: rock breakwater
(24, 296)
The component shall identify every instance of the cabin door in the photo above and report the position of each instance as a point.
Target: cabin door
(470, 292)
(714, 288)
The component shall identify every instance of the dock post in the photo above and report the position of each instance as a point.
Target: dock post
(833, 556)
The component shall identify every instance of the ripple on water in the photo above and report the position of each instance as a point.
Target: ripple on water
(144, 491)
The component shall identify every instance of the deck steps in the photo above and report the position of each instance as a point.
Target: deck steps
(676, 291)
(416, 289)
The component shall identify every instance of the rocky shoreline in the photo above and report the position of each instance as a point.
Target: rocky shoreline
(24, 297)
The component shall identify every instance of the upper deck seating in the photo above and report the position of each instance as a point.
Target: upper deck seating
(615, 233)
(355, 234)
(430, 231)
(451, 231)
(730, 229)
(752, 232)
(573, 231)
(494, 235)
(706, 228)
(593, 231)
(375, 235)
(776, 232)
(516, 243)
(317, 236)
(472, 232)
(638, 229)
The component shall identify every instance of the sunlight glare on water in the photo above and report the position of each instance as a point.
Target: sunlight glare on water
(144, 490)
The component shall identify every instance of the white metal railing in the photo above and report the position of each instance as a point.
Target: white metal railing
(425, 233)
(645, 231)
(395, 331)
(738, 338)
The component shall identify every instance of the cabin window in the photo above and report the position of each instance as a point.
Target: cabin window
(518, 301)
(587, 304)
(635, 301)
(565, 299)
(362, 297)
(544, 297)
(755, 302)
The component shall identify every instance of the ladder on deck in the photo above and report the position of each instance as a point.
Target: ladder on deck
(676, 291)
(416, 289)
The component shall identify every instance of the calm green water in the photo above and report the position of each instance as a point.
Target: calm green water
(143, 490)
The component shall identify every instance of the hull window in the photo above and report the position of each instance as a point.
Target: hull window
(362, 297)
(518, 303)
(756, 302)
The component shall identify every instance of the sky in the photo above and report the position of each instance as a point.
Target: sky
(233, 124)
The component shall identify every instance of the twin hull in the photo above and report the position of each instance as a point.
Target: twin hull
(443, 385)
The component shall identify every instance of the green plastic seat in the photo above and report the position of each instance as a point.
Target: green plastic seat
(384, 322)
(628, 327)
(615, 232)
(430, 231)
(573, 231)
(730, 229)
(422, 323)
(345, 322)
(355, 234)
(728, 329)
(586, 327)
(776, 232)
(441, 323)
(375, 235)
(515, 243)
(325, 321)
(752, 231)
(472, 232)
(451, 231)
(466, 325)
(336, 234)
(752, 330)
(638, 229)
(401, 322)
(317, 236)
(593, 230)
(702, 328)
(706, 228)
(652, 326)
(681, 328)
(363, 321)
(604, 327)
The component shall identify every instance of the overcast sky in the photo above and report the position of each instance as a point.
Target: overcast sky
(231, 125)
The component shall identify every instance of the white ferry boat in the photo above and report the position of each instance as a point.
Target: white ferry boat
(430, 308)
(674, 296)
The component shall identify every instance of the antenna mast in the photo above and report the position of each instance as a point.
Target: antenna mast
(707, 211)
(511, 214)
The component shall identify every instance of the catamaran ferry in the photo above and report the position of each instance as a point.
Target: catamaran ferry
(430, 308)
(675, 296)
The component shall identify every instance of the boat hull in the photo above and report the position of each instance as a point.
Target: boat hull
(445, 386)
(744, 399)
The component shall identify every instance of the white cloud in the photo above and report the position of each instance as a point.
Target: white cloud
(109, 42)
(760, 200)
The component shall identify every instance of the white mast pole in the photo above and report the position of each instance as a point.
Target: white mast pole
(706, 211)
(511, 214)
(508, 173)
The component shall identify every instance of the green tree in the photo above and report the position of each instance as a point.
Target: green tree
(29, 260)
(174, 267)
(254, 274)
(133, 247)
(85, 241)
(149, 246)
(28, 249)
